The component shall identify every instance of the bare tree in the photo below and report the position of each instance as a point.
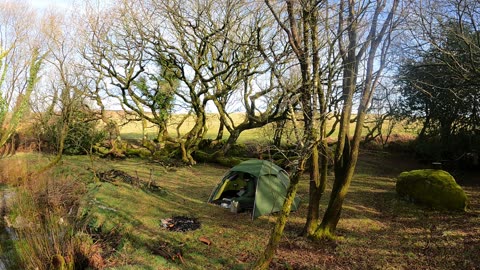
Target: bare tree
(435, 22)
(213, 45)
(357, 35)
(62, 86)
(123, 67)
(21, 57)
(300, 22)
(382, 114)
(365, 30)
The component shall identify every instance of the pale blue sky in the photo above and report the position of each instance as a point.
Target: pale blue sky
(42, 4)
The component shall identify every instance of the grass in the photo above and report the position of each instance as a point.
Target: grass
(132, 130)
(39, 208)
(135, 214)
(377, 229)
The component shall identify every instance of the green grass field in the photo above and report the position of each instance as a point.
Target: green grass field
(133, 129)
(377, 230)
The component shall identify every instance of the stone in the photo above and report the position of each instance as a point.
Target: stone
(435, 188)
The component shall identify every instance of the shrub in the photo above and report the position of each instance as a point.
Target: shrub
(434, 188)
(81, 135)
(43, 215)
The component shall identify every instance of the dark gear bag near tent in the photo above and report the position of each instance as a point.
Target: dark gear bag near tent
(271, 184)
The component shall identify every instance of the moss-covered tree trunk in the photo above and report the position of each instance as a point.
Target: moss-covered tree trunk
(221, 128)
(265, 259)
(193, 137)
(278, 132)
(232, 139)
(316, 189)
(346, 153)
(314, 192)
(343, 176)
(301, 20)
(22, 100)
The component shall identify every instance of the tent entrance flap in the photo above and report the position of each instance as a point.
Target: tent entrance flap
(229, 187)
(271, 184)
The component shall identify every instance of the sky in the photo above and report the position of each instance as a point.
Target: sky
(43, 4)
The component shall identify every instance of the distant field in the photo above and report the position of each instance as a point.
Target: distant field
(133, 129)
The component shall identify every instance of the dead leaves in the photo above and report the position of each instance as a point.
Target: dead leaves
(205, 240)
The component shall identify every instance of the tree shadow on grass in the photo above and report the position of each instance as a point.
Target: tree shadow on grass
(399, 233)
(378, 230)
(142, 230)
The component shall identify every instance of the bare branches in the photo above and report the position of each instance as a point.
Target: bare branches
(22, 54)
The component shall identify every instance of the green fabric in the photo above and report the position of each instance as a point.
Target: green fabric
(271, 186)
(271, 191)
(257, 167)
(247, 199)
(250, 189)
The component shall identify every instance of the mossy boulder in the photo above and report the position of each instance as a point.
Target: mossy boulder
(435, 188)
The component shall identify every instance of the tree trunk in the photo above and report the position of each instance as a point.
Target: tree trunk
(22, 100)
(232, 139)
(423, 131)
(445, 132)
(278, 133)
(343, 177)
(266, 258)
(193, 138)
(314, 194)
(220, 131)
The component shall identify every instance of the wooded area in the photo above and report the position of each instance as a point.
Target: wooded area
(326, 77)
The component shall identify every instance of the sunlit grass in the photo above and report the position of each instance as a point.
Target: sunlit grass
(377, 229)
(133, 129)
(135, 214)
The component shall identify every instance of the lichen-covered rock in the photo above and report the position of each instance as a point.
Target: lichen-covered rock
(435, 188)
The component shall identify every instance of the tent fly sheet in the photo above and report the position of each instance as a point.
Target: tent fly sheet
(270, 184)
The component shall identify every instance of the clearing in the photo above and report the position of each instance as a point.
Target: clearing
(377, 229)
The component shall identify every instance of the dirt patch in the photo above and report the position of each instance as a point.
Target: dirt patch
(180, 224)
(115, 176)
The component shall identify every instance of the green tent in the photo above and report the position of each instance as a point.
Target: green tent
(271, 183)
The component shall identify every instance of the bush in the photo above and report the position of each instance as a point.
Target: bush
(44, 219)
(434, 188)
(80, 137)
(43, 214)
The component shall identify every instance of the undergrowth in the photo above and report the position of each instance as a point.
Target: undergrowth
(43, 216)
